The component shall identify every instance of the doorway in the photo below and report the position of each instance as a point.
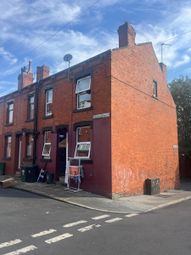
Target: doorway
(18, 153)
(62, 151)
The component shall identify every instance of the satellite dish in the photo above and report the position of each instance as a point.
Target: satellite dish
(67, 57)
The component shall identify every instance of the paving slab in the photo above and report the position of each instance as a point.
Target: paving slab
(126, 205)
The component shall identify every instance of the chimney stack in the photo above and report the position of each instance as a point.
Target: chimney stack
(42, 72)
(25, 78)
(126, 35)
(164, 70)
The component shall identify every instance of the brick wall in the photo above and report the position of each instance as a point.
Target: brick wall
(64, 113)
(144, 133)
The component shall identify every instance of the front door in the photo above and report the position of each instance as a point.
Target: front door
(62, 152)
(18, 153)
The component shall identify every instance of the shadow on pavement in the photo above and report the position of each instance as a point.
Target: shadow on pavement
(11, 192)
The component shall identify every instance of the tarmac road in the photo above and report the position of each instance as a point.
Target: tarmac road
(31, 224)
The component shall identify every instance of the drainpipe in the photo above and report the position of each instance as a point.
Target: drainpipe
(35, 121)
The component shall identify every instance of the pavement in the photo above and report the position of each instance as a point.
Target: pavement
(125, 205)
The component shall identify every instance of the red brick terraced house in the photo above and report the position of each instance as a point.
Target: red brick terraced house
(116, 104)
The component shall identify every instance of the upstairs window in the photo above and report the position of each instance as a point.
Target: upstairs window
(10, 109)
(155, 89)
(8, 143)
(83, 93)
(48, 102)
(83, 142)
(31, 107)
(29, 145)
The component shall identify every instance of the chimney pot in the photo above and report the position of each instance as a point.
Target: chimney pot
(25, 78)
(30, 67)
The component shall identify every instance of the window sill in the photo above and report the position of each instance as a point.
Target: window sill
(86, 161)
(83, 110)
(48, 116)
(7, 159)
(46, 160)
(9, 124)
(154, 97)
(28, 159)
(28, 120)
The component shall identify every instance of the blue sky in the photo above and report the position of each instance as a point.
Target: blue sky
(44, 31)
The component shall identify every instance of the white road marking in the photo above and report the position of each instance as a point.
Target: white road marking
(23, 250)
(131, 215)
(101, 217)
(10, 243)
(58, 238)
(43, 233)
(74, 223)
(87, 228)
(113, 220)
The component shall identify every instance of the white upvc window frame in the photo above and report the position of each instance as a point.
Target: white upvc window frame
(31, 106)
(78, 144)
(8, 146)
(46, 144)
(78, 133)
(83, 91)
(46, 136)
(47, 101)
(29, 145)
(10, 112)
(45, 152)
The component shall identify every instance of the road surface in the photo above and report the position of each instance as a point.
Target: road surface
(32, 224)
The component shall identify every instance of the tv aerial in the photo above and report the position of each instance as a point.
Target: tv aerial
(68, 58)
(162, 53)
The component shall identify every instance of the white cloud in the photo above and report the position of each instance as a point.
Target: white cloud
(43, 31)
(104, 3)
(174, 30)
(182, 19)
(38, 13)
(46, 31)
(156, 35)
(10, 9)
(81, 46)
(37, 26)
(98, 3)
(184, 60)
(8, 56)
